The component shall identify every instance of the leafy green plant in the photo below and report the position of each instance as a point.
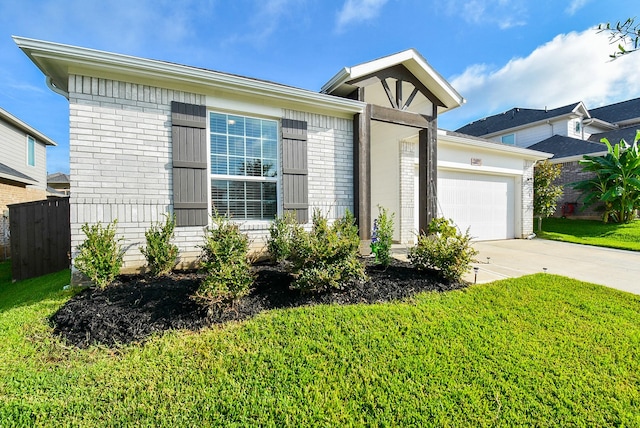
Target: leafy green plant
(160, 253)
(443, 249)
(383, 236)
(100, 256)
(327, 256)
(225, 263)
(545, 193)
(616, 181)
(281, 233)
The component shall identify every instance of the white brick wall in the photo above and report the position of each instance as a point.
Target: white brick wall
(121, 167)
(527, 199)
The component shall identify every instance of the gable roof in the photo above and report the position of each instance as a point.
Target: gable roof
(413, 62)
(516, 117)
(9, 173)
(58, 177)
(563, 147)
(618, 112)
(27, 129)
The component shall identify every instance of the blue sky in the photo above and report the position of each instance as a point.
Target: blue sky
(497, 53)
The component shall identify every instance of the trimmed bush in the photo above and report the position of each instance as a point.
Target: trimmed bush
(327, 256)
(160, 253)
(382, 237)
(443, 249)
(281, 233)
(225, 263)
(100, 256)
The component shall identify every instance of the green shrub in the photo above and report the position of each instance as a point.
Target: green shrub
(382, 237)
(225, 263)
(327, 256)
(160, 253)
(100, 255)
(444, 249)
(281, 233)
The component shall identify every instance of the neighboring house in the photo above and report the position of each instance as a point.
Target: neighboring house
(569, 133)
(149, 137)
(58, 184)
(23, 168)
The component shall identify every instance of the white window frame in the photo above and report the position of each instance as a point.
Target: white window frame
(222, 177)
(31, 142)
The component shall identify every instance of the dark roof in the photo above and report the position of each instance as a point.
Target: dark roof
(513, 118)
(57, 177)
(618, 112)
(627, 134)
(563, 147)
(16, 175)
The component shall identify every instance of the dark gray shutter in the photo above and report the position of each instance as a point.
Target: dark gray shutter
(188, 133)
(294, 169)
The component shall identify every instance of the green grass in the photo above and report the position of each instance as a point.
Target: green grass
(539, 350)
(593, 232)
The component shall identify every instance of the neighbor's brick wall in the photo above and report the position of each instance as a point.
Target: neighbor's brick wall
(12, 194)
(120, 161)
(571, 173)
(329, 162)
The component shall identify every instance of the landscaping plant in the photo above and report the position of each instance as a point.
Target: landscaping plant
(327, 256)
(444, 249)
(225, 263)
(281, 233)
(382, 236)
(545, 193)
(160, 253)
(100, 256)
(616, 183)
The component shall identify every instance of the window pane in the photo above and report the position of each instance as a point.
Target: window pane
(236, 210)
(236, 125)
(269, 191)
(236, 190)
(31, 151)
(218, 144)
(219, 189)
(220, 207)
(509, 139)
(269, 210)
(236, 166)
(218, 123)
(269, 130)
(219, 165)
(236, 146)
(270, 149)
(269, 168)
(253, 127)
(253, 147)
(254, 191)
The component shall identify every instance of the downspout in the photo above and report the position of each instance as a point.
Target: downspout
(55, 89)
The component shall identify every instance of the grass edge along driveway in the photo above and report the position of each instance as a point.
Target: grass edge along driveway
(536, 350)
(592, 232)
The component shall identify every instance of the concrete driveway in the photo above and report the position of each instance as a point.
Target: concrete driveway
(517, 257)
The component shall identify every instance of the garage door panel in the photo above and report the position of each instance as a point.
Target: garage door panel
(481, 202)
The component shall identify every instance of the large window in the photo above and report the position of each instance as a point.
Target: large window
(244, 163)
(31, 151)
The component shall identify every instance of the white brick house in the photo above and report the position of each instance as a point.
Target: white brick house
(149, 137)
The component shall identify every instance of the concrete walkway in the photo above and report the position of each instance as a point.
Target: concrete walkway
(517, 257)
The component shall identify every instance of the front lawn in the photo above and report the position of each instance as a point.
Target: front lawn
(592, 232)
(538, 350)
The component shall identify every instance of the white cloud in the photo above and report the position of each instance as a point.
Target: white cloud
(504, 14)
(572, 67)
(575, 6)
(358, 11)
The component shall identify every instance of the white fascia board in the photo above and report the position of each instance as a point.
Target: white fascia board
(576, 157)
(57, 60)
(531, 124)
(599, 122)
(444, 138)
(26, 128)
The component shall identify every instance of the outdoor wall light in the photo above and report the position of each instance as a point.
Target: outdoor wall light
(475, 272)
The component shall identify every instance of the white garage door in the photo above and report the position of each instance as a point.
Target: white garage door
(483, 203)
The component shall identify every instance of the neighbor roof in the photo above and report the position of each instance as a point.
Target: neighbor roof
(563, 147)
(627, 134)
(9, 173)
(58, 177)
(514, 118)
(9, 118)
(618, 112)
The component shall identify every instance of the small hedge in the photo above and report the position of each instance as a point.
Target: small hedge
(100, 256)
(160, 253)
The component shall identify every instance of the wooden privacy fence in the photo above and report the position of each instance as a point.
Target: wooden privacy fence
(40, 237)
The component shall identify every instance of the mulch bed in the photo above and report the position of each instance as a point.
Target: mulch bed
(135, 307)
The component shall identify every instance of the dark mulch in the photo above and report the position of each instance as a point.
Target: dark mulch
(135, 307)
